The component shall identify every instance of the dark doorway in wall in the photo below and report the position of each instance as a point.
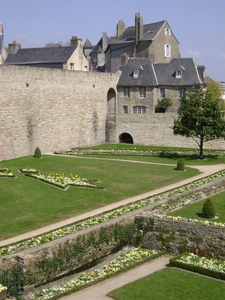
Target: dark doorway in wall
(126, 138)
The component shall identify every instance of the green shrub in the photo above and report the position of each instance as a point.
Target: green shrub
(37, 153)
(208, 209)
(180, 165)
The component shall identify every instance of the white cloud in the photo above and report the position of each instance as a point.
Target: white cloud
(195, 54)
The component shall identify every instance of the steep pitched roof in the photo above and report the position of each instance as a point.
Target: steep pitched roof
(88, 44)
(145, 69)
(98, 47)
(166, 73)
(150, 31)
(41, 55)
(163, 74)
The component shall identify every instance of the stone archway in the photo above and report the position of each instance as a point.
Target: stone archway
(126, 138)
(111, 102)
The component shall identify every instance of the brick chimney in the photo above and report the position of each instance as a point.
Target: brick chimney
(138, 27)
(120, 28)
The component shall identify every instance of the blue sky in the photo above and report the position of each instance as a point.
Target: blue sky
(197, 24)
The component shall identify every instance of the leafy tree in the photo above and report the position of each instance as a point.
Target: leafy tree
(214, 88)
(200, 118)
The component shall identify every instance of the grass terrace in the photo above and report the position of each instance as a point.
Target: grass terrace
(28, 203)
(193, 211)
(165, 155)
(170, 284)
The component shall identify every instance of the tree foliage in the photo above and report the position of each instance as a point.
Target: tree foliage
(208, 209)
(200, 118)
(214, 88)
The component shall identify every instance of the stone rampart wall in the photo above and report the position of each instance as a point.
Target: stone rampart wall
(179, 236)
(154, 129)
(51, 109)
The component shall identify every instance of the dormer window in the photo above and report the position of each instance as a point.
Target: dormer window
(179, 72)
(136, 74)
(167, 31)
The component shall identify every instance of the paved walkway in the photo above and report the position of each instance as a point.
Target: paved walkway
(100, 290)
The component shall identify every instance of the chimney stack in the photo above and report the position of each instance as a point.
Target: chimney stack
(120, 28)
(138, 27)
(74, 41)
(124, 59)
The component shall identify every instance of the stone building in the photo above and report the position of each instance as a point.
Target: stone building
(155, 41)
(67, 58)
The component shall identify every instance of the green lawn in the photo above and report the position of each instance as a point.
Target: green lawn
(189, 160)
(27, 204)
(192, 210)
(171, 284)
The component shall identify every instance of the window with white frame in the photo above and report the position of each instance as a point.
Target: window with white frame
(125, 109)
(162, 93)
(167, 50)
(126, 92)
(71, 66)
(178, 74)
(182, 92)
(139, 109)
(167, 31)
(136, 74)
(142, 92)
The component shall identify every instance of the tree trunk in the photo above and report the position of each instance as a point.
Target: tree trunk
(201, 149)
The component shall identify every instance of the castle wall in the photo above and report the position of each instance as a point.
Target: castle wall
(155, 129)
(51, 109)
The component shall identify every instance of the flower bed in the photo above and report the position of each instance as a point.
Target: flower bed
(5, 172)
(63, 181)
(206, 266)
(198, 221)
(120, 264)
(85, 151)
(63, 231)
(28, 170)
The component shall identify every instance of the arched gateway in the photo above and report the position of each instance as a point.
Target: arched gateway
(125, 138)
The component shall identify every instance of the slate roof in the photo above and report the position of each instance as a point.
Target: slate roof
(161, 74)
(165, 73)
(88, 44)
(146, 73)
(98, 47)
(41, 55)
(150, 31)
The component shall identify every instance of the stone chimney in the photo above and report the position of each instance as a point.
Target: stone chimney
(120, 28)
(138, 27)
(104, 41)
(124, 59)
(74, 41)
(13, 48)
